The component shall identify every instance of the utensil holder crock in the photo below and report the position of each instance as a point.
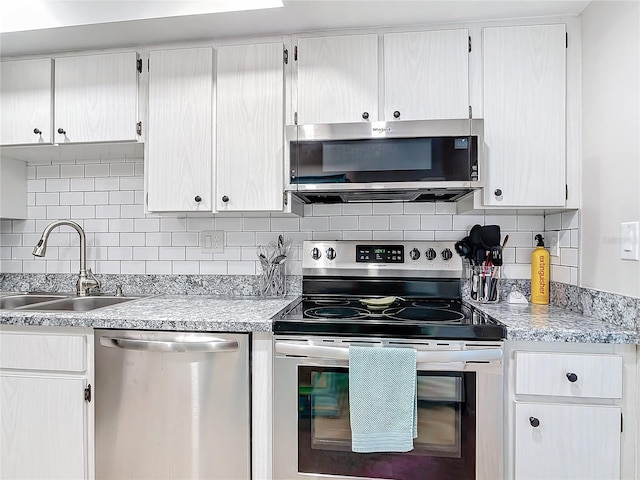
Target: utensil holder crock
(484, 283)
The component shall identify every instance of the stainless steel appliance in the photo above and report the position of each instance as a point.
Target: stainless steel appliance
(172, 405)
(385, 161)
(401, 294)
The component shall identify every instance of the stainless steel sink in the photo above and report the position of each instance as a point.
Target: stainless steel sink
(11, 302)
(61, 303)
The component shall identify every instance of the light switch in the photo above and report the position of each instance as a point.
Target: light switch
(629, 240)
(212, 241)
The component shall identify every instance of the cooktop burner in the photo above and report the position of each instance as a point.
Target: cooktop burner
(370, 288)
(427, 318)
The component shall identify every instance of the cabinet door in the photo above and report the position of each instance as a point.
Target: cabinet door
(179, 146)
(250, 119)
(570, 442)
(338, 79)
(42, 427)
(26, 96)
(524, 115)
(426, 75)
(96, 98)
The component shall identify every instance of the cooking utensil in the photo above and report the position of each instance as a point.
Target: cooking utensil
(476, 243)
(489, 236)
(504, 242)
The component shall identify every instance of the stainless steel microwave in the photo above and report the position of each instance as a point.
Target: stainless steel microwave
(422, 160)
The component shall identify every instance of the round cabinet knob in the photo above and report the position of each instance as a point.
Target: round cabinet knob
(198, 198)
(331, 253)
(447, 254)
(414, 254)
(396, 114)
(534, 422)
(365, 115)
(37, 131)
(225, 199)
(497, 192)
(315, 253)
(572, 377)
(61, 131)
(431, 254)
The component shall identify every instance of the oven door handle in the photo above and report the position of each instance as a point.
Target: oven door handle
(435, 356)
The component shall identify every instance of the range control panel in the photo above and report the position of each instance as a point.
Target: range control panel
(375, 258)
(380, 253)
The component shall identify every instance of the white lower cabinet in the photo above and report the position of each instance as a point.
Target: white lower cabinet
(567, 441)
(46, 409)
(570, 411)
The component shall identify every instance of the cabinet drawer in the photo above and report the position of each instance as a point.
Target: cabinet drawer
(569, 375)
(43, 352)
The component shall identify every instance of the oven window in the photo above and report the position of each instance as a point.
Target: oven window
(445, 447)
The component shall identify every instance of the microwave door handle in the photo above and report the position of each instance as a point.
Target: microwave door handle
(435, 356)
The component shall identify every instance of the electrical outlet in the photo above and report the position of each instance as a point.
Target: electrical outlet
(630, 241)
(553, 240)
(212, 241)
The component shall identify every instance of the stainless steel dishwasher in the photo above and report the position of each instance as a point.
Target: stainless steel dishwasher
(172, 405)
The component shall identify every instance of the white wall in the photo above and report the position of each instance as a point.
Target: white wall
(106, 198)
(611, 143)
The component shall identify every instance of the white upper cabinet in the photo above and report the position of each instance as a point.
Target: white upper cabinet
(26, 97)
(426, 75)
(179, 139)
(338, 79)
(96, 98)
(249, 127)
(524, 116)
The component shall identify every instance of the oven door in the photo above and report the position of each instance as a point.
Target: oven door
(459, 389)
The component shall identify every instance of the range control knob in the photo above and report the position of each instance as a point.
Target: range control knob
(315, 253)
(447, 254)
(331, 253)
(414, 254)
(431, 254)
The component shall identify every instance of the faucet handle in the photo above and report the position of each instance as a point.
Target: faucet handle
(95, 283)
(119, 290)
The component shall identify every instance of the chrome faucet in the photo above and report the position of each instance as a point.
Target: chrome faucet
(86, 279)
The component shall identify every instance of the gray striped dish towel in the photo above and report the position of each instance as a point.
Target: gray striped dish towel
(382, 399)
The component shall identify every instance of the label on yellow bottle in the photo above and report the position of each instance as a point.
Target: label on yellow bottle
(540, 276)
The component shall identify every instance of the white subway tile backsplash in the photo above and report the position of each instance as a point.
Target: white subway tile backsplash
(404, 222)
(560, 273)
(36, 186)
(122, 170)
(121, 225)
(419, 235)
(357, 209)
(107, 198)
(45, 199)
(285, 224)
(146, 224)
(145, 253)
(373, 222)
(71, 171)
(185, 268)
(344, 222)
(58, 212)
(158, 267)
(320, 209)
(436, 222)
(107, 184)
(419, 208)
(96, 170)
(82, 184)
(48, 171)
(185, 239)
(387, 208)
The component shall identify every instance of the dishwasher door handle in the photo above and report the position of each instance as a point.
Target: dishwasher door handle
(169, 346)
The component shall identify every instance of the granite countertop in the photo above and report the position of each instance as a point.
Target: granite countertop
(252, 314)
(548, 323)
(165, 312)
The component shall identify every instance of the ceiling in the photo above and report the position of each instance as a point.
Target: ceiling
(296, 16)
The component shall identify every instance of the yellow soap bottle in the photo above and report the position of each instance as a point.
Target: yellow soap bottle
(540, 273)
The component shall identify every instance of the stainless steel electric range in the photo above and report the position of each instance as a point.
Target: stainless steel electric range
(400, 294)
